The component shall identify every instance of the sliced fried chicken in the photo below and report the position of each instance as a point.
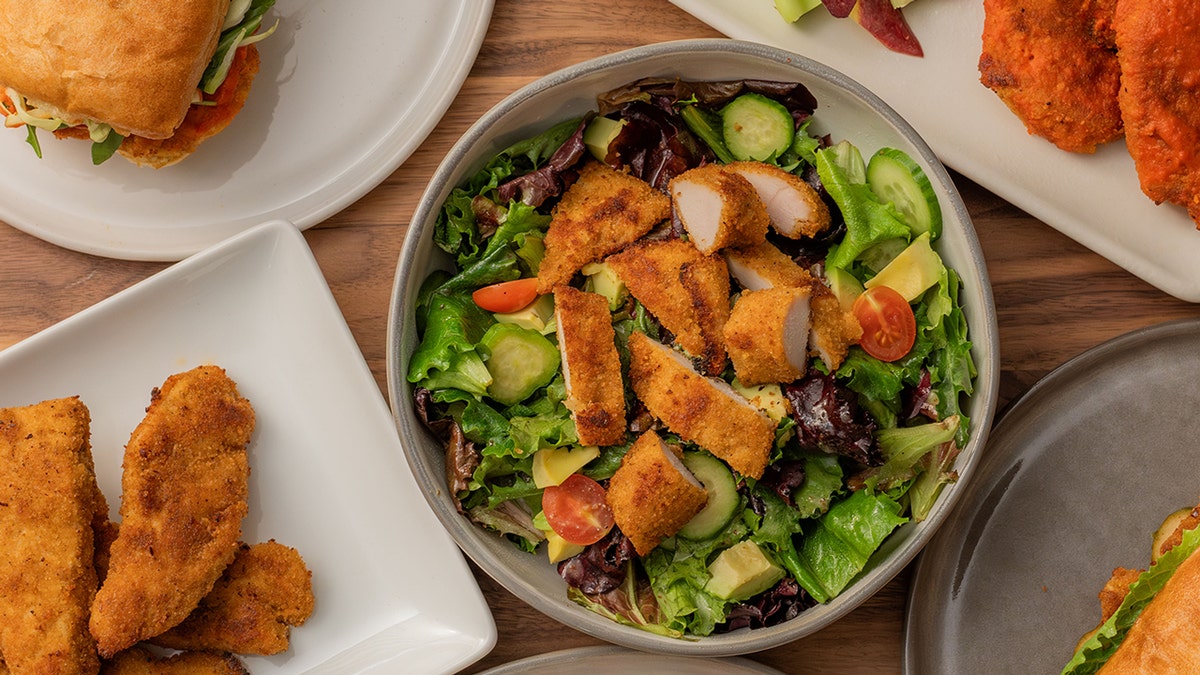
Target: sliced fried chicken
(764, 266)
(591, 366)
(653, 494)
(601, 213)
(718, 208)
(794, 207)
(767, 335)
(703, 410)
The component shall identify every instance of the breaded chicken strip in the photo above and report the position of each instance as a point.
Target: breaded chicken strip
(1159, 54)
(48, 504)
(653, 494)
(767, 335)
(795, 208)
(718, 208)
(265, 591)
(687, 292)
(601, 213)
(834, 329)
(184, 494)
(1045, 61)
(141, 661)
(703, 410)
(591, 366)
(764, 266)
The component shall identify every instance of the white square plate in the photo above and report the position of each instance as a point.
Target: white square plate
(328, 474)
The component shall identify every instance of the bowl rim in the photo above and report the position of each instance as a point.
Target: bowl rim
(888, 562)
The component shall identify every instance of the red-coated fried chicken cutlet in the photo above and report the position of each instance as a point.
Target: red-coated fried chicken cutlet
(687, 292)
(48, 505)
(1159, 56)
(141, 661)
(703, 410)
(1044, 59)
(653, 494)
(591, 366)
(184, 494)
(601, 213)
(265, 591)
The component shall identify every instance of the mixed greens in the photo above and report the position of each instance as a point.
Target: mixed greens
(858, 451)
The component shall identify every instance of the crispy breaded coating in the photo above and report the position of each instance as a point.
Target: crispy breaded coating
(48, 503)
(703, 410)
(184, 494)
(1045, 61)
(1159, 57)
(601, 213)
(141, 661)
(718, 208)
(591, 366)
(653, 494)
(795, 208)
(693, 305)
(265, 591)
(767, 335)
(764, 266)
(1115, 590)
(834, 330)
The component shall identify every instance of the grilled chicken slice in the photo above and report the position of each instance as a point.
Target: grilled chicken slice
(794, 207)
(653, 494)
(703, 410)
(718, 208)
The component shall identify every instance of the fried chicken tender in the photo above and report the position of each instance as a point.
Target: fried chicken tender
(265, 591)
(718, 208)
(687, 291)
(652, 494)
(141, 661)
(1159, 57)
(591, 366)
(48, 505)
(764, 266)
(184, 494)
(601, 213)
(1044, 59)
(767, 335)
(703, 410)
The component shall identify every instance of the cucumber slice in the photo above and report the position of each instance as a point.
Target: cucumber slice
(894, 177)
(520, 361)
(756, 127)
(723, 498)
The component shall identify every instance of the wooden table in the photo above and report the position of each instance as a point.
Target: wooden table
(1054, 298)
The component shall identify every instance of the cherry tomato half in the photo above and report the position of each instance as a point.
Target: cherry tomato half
(506, 296)
(577, 510)
(889, 327)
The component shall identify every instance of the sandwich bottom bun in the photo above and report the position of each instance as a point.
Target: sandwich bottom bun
(201, 123)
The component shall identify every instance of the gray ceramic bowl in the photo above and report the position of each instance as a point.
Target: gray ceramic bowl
(846, 110)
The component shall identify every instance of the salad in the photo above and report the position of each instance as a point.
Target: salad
(592, 305)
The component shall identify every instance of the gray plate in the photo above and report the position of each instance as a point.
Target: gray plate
(1076, 477)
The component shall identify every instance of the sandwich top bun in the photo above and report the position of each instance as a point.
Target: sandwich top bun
(133, 64)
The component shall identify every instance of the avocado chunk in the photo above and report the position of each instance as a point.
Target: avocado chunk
(791, 10)
(844, 285)
(742, 571)
(536, 316)
(553, 465)
(912, 271)
(599, 133)
(603, 279)
(768, 398)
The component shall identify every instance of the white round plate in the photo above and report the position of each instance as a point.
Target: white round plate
(345, 94)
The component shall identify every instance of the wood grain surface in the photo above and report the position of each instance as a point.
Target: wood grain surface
(1054, 298)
